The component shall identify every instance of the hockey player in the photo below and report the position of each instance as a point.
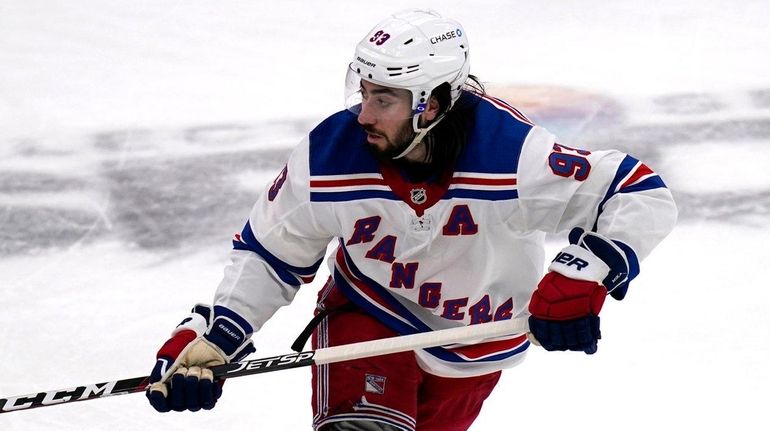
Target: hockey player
(438, 197)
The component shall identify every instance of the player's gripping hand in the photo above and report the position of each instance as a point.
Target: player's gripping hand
(182, 379)
(566, 304)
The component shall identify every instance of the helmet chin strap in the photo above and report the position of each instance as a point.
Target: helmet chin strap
(420, 134)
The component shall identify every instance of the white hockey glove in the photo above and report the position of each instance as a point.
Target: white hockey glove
(181, 379)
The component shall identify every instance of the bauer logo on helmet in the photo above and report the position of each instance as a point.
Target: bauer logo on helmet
(366, 62)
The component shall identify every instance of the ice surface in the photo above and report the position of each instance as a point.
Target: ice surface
(135, 135)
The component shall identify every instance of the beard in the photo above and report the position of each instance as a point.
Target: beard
(394, 146)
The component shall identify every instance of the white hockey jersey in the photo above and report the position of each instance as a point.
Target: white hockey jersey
(463, 249)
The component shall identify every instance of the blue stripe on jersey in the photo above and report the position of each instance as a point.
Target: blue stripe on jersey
(449, 356)
(360, 301)
(352, 195)
(287, 273)
(626, 166)
(417, 325)
(650, 183)
(487, 195)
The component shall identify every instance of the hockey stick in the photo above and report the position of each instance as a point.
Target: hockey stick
(466, 334)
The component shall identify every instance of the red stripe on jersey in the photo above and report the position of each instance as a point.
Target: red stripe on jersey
(485, 181)
(477, 351)
(349, 182)
(641, 171)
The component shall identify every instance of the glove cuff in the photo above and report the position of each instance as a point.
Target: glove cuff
(197, 321)
(621, 260)
(578, 263)
(230, 333)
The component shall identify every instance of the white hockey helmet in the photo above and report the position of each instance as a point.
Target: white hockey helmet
(415, 49)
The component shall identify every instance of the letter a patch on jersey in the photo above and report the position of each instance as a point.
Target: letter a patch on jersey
(461, 222)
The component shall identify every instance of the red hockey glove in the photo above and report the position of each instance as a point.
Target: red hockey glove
(565, 313)
(182, 379)
(566, 304)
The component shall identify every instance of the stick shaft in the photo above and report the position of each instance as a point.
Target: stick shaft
(466, 334)
(80, 393)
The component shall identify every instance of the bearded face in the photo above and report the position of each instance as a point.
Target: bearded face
(393, 145)
(386, 117)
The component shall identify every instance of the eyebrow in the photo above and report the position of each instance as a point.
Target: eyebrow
(384, 90)
(381, 90)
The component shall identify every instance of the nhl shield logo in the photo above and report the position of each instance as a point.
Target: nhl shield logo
(419, 196)
(375, 384)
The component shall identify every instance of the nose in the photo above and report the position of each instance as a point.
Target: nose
(366, 116)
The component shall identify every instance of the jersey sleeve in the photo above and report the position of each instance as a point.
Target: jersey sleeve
(280, 248)
(607, 192)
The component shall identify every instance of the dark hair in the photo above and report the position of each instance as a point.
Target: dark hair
(446, 141)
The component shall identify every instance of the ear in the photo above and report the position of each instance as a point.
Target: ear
(432, 110)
